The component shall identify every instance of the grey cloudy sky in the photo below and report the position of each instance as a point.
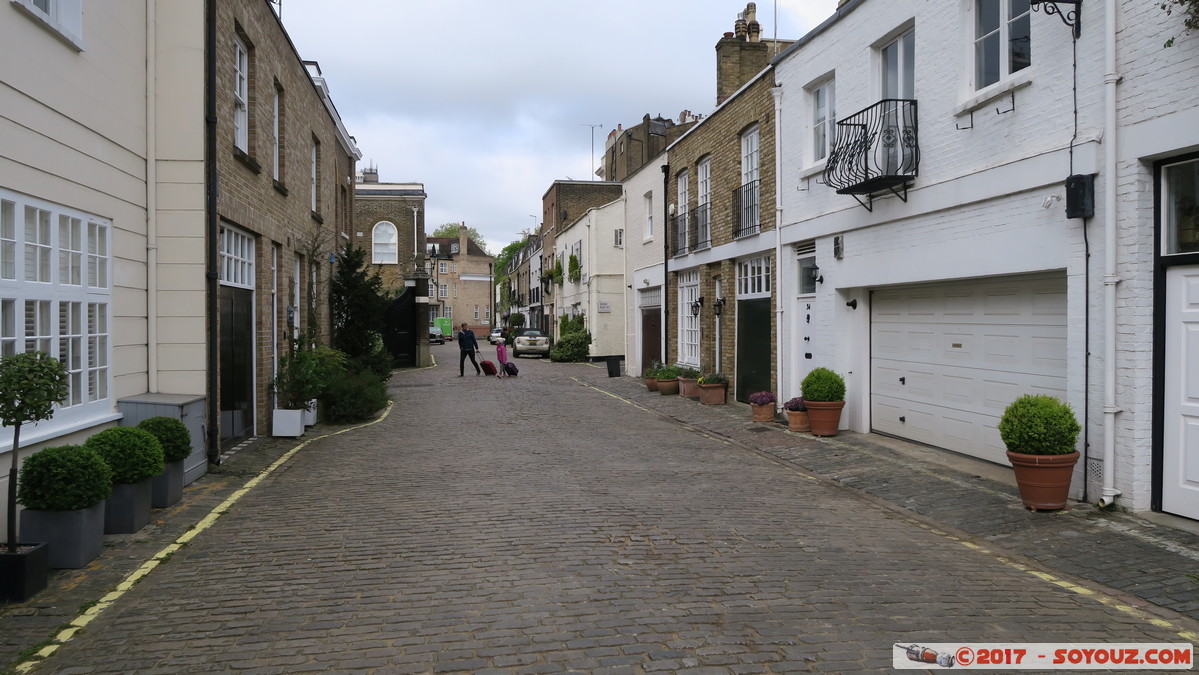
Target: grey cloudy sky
(487, 102)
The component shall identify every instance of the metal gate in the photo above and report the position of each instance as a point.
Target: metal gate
(400, 330)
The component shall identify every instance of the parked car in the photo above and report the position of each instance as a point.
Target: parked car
(530, 341)
(436, 337)
(496, 333)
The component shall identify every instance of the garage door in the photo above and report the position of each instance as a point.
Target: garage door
(947, 358)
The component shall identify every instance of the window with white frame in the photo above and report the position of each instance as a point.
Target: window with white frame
(241, 95)
(649, 215)
(753, 278)
(384, 243)
(618, 237)
(432, 289)
(683, 188)
(748, 213)
(443, 268)
(236, 258)
(443, 291)
(1179, 210)
(824, 118)
(476, 312)
(63, 17)
(487, 312)
(277, 135)
(688, 322)
(449, 312)
(55, 296)
(1002, 40)
(703, 199)
(898, 59)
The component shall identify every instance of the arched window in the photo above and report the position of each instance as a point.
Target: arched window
(384, 244)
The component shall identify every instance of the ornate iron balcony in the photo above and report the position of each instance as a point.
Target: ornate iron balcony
(745, 209)
(875, 150)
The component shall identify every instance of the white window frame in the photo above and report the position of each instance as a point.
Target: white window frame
(443, 291)
(1172, 232)
(443, 268)
(753, 278)
(63, 18)
(237, 258)
(999, 38)
(689, 324)
(682, 217)
(904, 56)
(824, 118)
(649, 215)
(703, 198)
(241, 95)
(385, 242)
(51, 312)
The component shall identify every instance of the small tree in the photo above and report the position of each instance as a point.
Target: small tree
(30, 386)
(356, 299)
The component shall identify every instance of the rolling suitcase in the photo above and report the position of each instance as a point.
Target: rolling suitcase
(511, 368)
(488, 368)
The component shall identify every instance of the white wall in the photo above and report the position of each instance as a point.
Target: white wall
(643, 252)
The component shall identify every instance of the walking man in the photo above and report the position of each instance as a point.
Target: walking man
(467, 345)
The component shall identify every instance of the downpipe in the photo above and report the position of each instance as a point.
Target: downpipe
(1110, 277)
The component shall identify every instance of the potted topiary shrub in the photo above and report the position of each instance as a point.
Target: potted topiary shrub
(797, 415)
(1040, 433)
(176, 442)
(762, 404)
(651, 376)
(135, 457)
(824, 397)
(63, 491)
(30, 385)
(713, 388)
(668, 380)
(297, 382)
(688, 381)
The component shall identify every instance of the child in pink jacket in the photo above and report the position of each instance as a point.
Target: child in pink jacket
(501, 357)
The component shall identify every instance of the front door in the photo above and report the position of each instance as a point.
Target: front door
(651, 336)
(753, 347)
(400, 330)
(237, 364)
(1180, 430)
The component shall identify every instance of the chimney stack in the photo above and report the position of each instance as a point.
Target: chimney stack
(740, 55)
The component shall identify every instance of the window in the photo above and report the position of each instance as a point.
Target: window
(315, 175)
(747, 194)
(454, 247)
(703, 213)
(753, 278)
(688, 322)
(432, 289)
(237, 258)
(1180, 213)
(443, 291)
(618, 237)
(62, 17)
(487, 312)
(449, 312)
(998, 23)
(443, 268)
(683, 188)
(824, 118)
(277, 135)
(384, 244)
(899, 67)
(241, 95)
(476, 312)
(807, 285)
(54, 298)
(649, 215)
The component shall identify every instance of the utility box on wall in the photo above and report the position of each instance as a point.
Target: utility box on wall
(186, 408)
(1080, 196)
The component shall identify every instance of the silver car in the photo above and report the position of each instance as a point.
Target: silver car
(530, 341)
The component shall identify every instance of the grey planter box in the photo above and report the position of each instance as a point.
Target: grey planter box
(74, 538)
(128, 509)
(167, 487)
(23, 575)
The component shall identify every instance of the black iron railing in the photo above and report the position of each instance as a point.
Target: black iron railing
(701, 226)
(745, 209)
(679, 233)
(874, 150)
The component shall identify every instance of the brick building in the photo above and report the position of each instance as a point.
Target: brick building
(562, 204)
(460, 281)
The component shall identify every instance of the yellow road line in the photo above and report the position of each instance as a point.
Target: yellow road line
(88, 615)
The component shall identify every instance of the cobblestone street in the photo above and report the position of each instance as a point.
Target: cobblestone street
(539, 525)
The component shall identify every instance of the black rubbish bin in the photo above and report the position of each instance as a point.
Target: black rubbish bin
(613, 366)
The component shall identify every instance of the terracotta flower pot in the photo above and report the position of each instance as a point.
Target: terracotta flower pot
(713, 394)
(763, 413)
(689, 387)
(825, 416)
(651, 383)
(1044, 480)
(668, 387)
(797, 420)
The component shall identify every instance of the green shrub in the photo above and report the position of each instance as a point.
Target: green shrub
(64, 478)
(669, 372)
(571, 324)
(575, 268)
(823, 385)
(353, 396)
(133, 454)
(1037, 424)
(172, 435)
(378, 360)
(713, 378)
(689, 373)
(572, 346)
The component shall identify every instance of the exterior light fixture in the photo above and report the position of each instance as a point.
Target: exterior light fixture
(817, 277)
(1070, 17)
(695, 306)
(718, 306)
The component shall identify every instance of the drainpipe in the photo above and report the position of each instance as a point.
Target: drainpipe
(779, 312)
(1110, 278)
(151, 200)
(211, 276)
(665, 263)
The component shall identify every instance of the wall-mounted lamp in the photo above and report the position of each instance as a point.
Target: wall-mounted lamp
(852, 304)
(670, 210)
(695, 306)
(1070, 17)
(817, 277)
(718, 306)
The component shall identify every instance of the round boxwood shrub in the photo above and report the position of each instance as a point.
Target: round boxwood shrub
(572, 346)
(823, 385)
(134, 454)
(353, 397)
(64, 478)
(1038, 424)
(171, 434)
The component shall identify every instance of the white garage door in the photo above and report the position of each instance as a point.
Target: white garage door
(947, 358)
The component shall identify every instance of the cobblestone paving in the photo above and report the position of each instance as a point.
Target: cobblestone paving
(537, 525)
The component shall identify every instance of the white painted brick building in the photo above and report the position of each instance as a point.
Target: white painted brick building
(643, 239)
(599, 294)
